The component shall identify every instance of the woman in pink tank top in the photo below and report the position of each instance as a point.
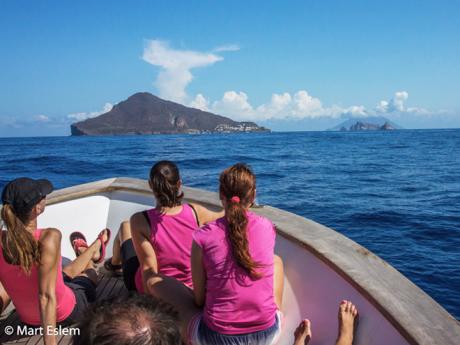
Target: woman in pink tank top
(164, 232)
(43, 292)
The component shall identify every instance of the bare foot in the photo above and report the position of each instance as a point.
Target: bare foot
(302, 334)
(347, 318)
(96, 245)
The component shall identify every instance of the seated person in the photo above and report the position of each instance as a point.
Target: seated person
(134, 320)
(167, 229)
(42, 291)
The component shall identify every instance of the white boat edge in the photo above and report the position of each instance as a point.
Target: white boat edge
(414, 314)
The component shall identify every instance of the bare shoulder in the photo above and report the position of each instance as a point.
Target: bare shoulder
(205, 215)
(50, 235)
(138, 222)
(50, 240)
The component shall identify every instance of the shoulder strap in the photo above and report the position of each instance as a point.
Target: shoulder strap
(196, 214)
(147, 218)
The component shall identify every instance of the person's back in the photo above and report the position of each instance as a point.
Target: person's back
(235, 302)
(171, 238)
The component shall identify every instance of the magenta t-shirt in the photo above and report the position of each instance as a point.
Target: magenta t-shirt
(235, 303)
(171, 238)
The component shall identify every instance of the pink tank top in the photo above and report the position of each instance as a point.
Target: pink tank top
(236, 304)
(171, 238)
(23, 290)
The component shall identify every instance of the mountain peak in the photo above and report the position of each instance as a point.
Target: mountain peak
(144, 113)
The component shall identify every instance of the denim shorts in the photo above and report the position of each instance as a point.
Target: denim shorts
(200, 334)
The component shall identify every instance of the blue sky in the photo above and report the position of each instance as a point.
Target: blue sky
(294, 65)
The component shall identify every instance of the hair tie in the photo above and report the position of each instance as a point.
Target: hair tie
(235, 199)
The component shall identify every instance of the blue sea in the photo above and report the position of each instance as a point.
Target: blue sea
(396, 193)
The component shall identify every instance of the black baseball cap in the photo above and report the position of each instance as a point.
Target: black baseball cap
(25, 193)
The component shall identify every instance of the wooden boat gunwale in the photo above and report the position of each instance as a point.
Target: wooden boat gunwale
(410, 310)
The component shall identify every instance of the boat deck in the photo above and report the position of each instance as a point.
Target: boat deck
(108, 286)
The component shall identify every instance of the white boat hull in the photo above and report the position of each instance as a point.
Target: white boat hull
(321, 268)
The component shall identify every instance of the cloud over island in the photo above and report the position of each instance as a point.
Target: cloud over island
(176, 74)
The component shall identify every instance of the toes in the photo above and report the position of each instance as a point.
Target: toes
(303, 329)
(343, 305)
(307, 326)
(300, 329)
(355, 311)
(348, 307)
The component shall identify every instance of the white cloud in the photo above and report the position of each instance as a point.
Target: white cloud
(42, 118)
(235, 104)
(302, 105)
(200, 102)
(175, 65)
(397, 105)
(277, 106)
(83, 115)
(175, 75)
(227, 48)
(307, 106)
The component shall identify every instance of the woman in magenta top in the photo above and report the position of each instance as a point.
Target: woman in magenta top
(164, 232)
(236, 276)
(42, 291)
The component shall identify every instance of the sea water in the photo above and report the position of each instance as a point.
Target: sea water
(396, 192)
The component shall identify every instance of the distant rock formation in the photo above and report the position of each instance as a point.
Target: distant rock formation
(144, 113)
(375, 123)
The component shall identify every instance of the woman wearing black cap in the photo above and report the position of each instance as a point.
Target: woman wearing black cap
(42, 291)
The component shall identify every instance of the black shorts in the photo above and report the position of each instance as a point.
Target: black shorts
(85, 293)
(130, 264)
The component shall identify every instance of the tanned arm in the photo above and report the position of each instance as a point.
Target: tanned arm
(50, 249)
(4, 298)
(198, 275)
(147, 258)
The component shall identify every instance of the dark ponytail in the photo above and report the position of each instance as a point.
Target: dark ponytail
(237, 187)
(19, 246)
(164, 180)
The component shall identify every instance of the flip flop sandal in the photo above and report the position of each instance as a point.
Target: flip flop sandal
(78, 240)
(103, 244)
(115, 269)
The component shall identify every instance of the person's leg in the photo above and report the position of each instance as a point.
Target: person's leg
(129, 260)
(123, 234)
(302, 334)
(89, 272)
(279, 281)
(85, 260)
(116, 253)
(347, 319)
(179, 296)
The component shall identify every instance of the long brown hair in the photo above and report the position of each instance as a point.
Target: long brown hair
(238, 188)
(164, 180)
(19, 245)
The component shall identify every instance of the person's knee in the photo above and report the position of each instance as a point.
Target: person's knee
(125, 231)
